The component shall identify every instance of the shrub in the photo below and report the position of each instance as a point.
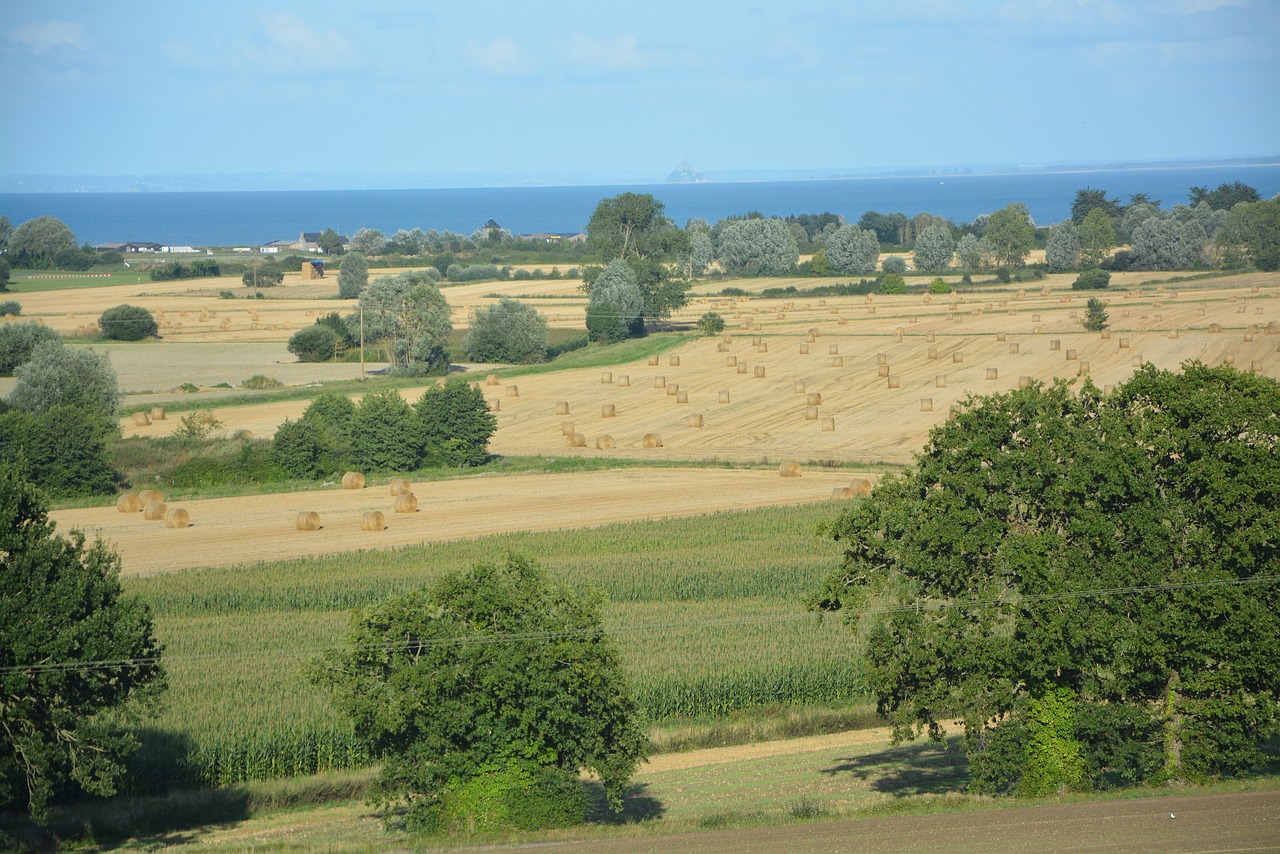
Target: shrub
(127, 323)
(711, 323)
(507, 331)
(262, 277)
(315, 343)
(385, 433)
(938, 286)
(197, 426)
(63, 449)
(455, 424)
(10, 307)
(17, 340)
(894, 264)
(1003, 276)
(513, 798)
(1091, 280)
(5, 271)
(56, 374)
(893, 284)
(259, 382)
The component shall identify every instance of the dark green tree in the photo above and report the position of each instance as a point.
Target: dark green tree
(17, 340)
(497, 675)
(1092, 280)
(5, 272)
(1090, 199)
(73, 649)
(1095, 315)
(1097, 237)
(37, 242)
(1071, 558)
(1253, 232)
(634, 228)
(127, 323)
(456, 424)
(330, 242)
(615, 309)
(1011, 234)
(1224, 197)
(63, 448)
(385, 433)
(315, 343)
(319, 443)
(711, 323)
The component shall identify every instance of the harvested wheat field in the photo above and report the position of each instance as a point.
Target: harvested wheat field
(854, 378)
(228, 531)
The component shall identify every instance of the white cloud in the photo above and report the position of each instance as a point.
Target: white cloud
(296, 45)
(45, 36)
(501, 57)
(617, 54)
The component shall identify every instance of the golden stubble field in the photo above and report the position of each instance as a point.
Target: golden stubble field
(856, 380)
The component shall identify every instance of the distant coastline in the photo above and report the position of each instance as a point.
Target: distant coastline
(282, 181)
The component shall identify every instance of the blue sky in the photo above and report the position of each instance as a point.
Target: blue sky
(123, 88)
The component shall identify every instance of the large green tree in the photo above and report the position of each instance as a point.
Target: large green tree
(507, 331)
(1097, 237)
(498, 673)
(455, 424)
(56, 375)
(851, 251)
(1090, 199)
(634, 228)
(758, 247)
(934, 247)
(73, 648)
(1011, 234)
(1224, 197)
(410, 316)
(616, 307)
(1253, 231)
(37, 242)
(353, 275)
(1104, 566)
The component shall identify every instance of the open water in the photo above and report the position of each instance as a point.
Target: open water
(255, 218)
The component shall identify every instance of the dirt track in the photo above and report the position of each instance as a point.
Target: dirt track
(227, 531)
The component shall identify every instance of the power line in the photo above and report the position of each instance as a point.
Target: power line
(508, 637)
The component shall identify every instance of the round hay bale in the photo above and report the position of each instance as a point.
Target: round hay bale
(932, 355)
(804, 349)
(606, 378)
(1055, 344)
(141, 419)
(956, 409)
(1173, 333)
(1228, 359)
(608, 410)
(790, 468)
(512, 391)
(146, 496)
(837, 361)
(828, 425)
(604, 443)
(1255, 366)
(882, 358)
(492, 379)
(759, 372)
(651, 440)
(882, 370)
(566, 428)
(624, 381)
(731, 361)
(926, 404)
(957, 357)
(815, 331)
(659, 382)
(157, 413)
(575, 440)
(562, 408)
(673, 389)
(809, 339)
(842, 492)
(894, 382)
(940, 381)
(814, 398)
(1136, 361)
(726, 338)
(930, 338)
(1215, 328)
(1000, 336)
(742, 369)
(1083, 367)
(763, 348)
(128, 503)
(399, 486)
(1123, 344)
(993, 373)
(374, 520)
(406, 503)
(1106, 335)
(861, 486)
(177, 518)
(724, 397)
(353, 480)
(833, 349)
(1072, 355)
(673, 361)
(897, 339)
(495, 404)
(722, 347)
(307, 520)
(799, 387)
(682, 396)
(1014, 347)
(653, 360)
(899, 331)
(1248, 338)
(811, 413)
(1024, 381)
(695, 420)
(154, 511)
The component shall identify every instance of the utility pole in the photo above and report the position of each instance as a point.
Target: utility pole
(362, 341)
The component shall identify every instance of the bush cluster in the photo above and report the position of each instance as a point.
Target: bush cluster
(127, 323)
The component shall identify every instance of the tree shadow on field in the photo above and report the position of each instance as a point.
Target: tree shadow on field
(910, 769)
(637, 805)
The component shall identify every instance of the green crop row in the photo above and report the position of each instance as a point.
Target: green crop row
(706, 613)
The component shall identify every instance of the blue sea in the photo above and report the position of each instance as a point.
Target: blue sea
(255, 218)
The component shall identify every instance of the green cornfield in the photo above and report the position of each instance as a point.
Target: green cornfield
(706, 612)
